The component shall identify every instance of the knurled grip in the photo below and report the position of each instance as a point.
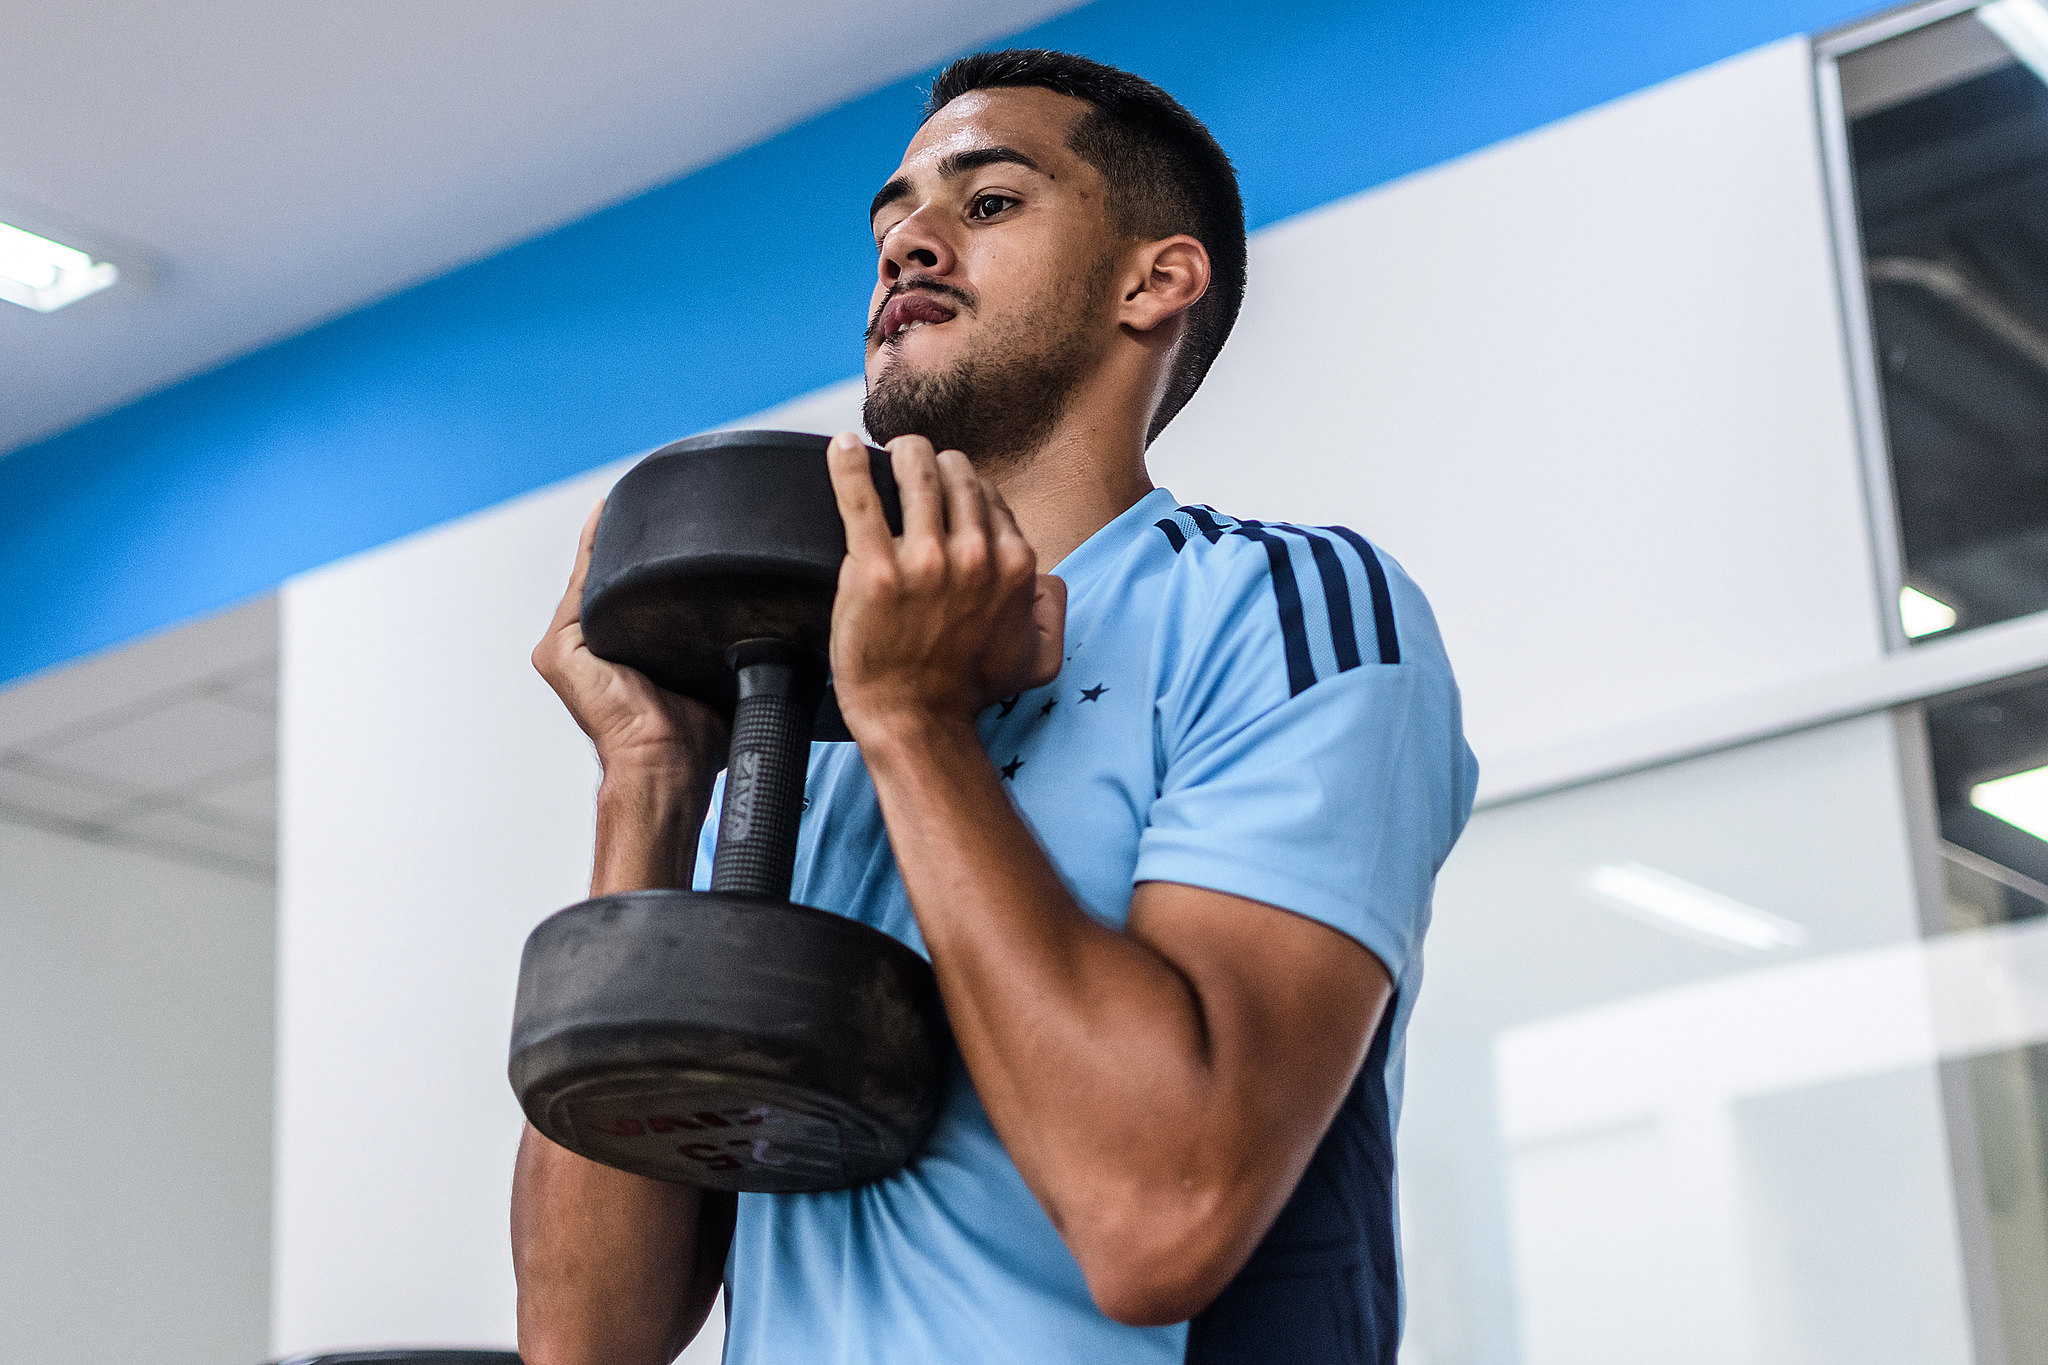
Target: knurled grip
(779, 689)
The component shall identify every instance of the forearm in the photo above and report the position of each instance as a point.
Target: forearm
(614, 1268)
(648, 821)
(1088, 1048)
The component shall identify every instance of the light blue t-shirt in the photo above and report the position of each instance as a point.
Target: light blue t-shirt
(1262, 710)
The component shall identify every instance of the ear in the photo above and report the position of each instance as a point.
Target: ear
(1167, 278)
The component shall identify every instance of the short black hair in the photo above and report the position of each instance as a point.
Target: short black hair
(1165, 172)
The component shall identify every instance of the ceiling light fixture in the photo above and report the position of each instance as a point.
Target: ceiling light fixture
(1923, 614)
(38, 273)
(2021, 25)
(2020, 800)
(1679, 907)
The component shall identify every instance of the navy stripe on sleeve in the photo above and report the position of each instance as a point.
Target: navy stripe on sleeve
(1382, 598)
(1301, 670)
(1205, 522)
(1336, 594)
(1174, 537)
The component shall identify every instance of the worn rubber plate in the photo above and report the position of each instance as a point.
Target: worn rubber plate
(726, 1042)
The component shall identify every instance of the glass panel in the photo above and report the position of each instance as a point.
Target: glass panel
(1996, 867)
(2009, 1090)
(1948, 131)
(1988, 750)
(1660, 1103)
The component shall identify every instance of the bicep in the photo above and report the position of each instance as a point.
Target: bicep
(1288, 1007)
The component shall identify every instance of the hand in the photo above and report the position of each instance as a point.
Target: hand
(952, 615)
(637, 727)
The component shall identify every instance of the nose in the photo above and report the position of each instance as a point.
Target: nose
(915, 243)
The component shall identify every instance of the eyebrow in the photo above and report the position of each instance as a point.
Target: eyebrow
(952, 166)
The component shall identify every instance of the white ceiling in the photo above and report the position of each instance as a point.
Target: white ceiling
(284, 163)
(167, 746)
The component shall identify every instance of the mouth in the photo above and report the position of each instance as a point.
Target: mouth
(909, 311)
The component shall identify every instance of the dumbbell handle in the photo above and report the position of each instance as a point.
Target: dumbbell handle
(780, 685)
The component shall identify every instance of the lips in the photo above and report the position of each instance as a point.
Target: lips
(910, 310)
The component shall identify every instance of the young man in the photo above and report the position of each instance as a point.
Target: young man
(1166, 822)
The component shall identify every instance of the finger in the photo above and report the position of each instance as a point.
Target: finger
(860, 507)
(1009, 537)
(967, 509)
(917, 481)
(570, 609)
(1048, 627)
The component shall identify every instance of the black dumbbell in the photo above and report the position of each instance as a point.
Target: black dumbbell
(730, 1038)
(429, 1355)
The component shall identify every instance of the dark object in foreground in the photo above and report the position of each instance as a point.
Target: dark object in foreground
(730, 1038)
(420, 1356)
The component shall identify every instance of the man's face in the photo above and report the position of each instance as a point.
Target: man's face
(991, 298)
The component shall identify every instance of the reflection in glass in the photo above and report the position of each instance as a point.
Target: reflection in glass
(1630, 1138)
(1948, 131)
(1986, 749)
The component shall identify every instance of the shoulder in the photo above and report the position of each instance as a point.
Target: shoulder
(1326, 599)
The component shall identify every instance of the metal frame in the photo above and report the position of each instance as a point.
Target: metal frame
(1927, 849)
(1864, 33)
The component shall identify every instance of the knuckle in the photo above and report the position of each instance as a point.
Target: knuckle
(924, 560)
(1017, 560)
(877, 577)
(971, 555)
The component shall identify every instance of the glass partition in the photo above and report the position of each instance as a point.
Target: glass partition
(1674, 1089)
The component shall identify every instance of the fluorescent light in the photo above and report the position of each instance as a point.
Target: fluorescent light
(38, 273)
(1922, 614)
(1691, 911)
(2021, 25)
(2020, 800)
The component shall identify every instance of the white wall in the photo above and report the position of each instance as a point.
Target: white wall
(1588, 386)
(135, 1099)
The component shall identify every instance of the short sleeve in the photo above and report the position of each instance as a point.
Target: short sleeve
(1309, 738)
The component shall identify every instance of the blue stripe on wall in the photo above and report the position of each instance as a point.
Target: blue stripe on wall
(729, 291)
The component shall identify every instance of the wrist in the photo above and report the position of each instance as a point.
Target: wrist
(648, 821)
(896, 738)
(658, 766)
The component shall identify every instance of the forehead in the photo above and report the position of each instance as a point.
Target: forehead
(1032, 120)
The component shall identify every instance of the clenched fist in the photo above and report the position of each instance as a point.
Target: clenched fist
(948, 617)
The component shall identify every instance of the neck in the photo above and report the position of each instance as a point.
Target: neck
(1089, 470)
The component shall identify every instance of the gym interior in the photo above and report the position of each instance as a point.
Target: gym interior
(1693, 357)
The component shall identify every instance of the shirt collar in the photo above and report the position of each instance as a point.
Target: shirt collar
(1092, 554)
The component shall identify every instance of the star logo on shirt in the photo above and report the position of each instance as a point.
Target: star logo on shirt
(1046, 709)
(1008, 705)
(1010, 768)
(1093, 693)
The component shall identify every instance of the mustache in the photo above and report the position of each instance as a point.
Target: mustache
(934, 287)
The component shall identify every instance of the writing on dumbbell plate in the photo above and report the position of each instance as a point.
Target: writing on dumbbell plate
(709, 1155)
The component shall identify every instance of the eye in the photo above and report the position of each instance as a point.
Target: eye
(988, 205)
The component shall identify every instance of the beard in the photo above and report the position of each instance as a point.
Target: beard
(999, 406)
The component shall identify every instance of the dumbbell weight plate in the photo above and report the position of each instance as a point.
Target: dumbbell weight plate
(718, 539)
(728, 1042)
